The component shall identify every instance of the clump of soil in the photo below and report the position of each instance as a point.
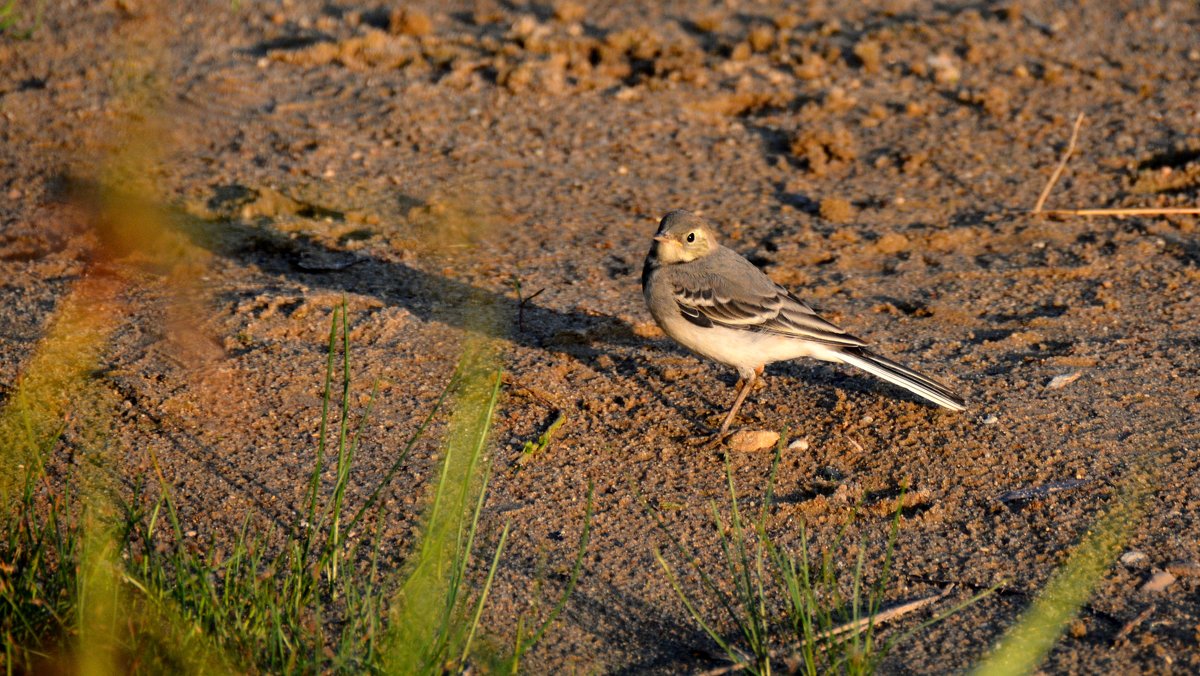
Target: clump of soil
(823, 151)
(837, 210)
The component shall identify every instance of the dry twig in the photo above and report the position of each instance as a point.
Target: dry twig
(888, 615)
(895, 612)
(1117, 212)
(1062, 164)
(1138, 211)
(1133, 624)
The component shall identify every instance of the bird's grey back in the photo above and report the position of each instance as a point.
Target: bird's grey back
(715, 271)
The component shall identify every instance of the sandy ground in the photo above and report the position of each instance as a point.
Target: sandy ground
(881, 161)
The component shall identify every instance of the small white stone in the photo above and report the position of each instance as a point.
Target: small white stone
(990, 419)
(1063, 380)
(626, 94)
(945, 71)
(1134, 559)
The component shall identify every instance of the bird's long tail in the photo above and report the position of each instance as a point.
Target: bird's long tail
(903, 376)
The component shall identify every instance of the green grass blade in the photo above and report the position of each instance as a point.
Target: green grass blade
(1026, 643)
(403, 456)
(311, 526)
(344, 453)
(483, 595)
(733, 655)
(422, 622)
(681, 551)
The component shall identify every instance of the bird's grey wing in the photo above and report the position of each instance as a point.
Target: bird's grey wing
(707, 300)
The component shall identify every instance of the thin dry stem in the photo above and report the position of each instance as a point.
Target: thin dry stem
(895, 612)
(1134, 623)
(1119, 211)
(888, 615)
(1062, 164)
(1133, 211)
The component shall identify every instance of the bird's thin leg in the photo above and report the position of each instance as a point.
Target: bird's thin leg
(747, 384)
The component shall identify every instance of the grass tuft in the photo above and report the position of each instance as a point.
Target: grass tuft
(782, 609)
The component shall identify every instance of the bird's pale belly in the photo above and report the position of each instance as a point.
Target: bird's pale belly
(739, 348)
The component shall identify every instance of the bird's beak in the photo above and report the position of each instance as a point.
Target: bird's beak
(662, 239)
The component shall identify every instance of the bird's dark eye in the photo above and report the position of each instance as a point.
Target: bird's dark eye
(691, 237)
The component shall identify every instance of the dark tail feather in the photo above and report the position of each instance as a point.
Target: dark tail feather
(898, 374)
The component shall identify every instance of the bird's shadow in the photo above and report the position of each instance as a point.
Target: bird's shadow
(526, 321)
(428, 296)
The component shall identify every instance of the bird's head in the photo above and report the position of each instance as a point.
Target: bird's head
(683, 237)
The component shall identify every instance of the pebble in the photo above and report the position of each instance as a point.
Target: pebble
(1134, 559)
(1158, 582)
(945, 71)
(799, 445)
(752, 440)
(991, 419)
(1063, 380)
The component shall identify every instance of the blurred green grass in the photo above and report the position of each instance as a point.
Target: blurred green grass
(98, 583)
